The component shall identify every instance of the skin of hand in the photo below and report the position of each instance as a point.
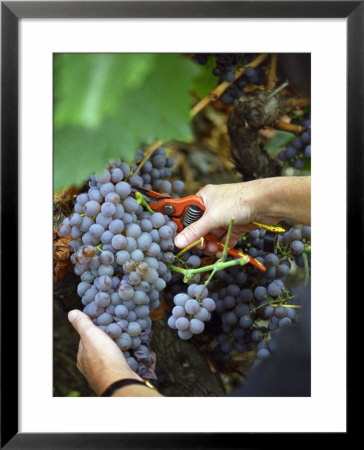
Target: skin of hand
(265, 200)
(99, 359)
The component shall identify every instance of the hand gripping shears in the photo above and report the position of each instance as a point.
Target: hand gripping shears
(186, 210)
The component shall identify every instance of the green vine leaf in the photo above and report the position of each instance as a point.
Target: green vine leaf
(109, 105)
(279, 140)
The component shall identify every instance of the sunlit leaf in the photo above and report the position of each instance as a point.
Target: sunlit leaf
(279, 140)
(109, 112)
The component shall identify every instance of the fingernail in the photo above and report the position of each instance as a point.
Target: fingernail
(180, 241)
(72, 315)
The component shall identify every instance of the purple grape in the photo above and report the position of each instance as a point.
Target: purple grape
(92, 208)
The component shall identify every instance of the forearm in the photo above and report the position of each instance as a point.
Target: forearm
(288, 197)
(135, 390)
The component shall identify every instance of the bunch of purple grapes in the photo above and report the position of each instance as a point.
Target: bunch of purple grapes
(251, 306)
(254, 307)
(299, 150)
(191, 311)
(297, 241)
(121, 253)
(225, 66)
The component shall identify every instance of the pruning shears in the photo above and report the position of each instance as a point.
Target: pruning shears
(186, 210)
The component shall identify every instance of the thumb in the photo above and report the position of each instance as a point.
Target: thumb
(80, 321)
(194, 231)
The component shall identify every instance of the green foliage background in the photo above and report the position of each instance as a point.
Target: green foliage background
(108, 105)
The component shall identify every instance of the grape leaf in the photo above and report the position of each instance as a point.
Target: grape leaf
(90, 87)
(206, 81)
(111, 113)
(279, 140)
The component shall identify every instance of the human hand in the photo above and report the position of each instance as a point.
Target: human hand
(246, 202)
(99, 359)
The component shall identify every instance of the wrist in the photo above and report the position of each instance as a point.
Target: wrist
(136, 390)
(108, 379)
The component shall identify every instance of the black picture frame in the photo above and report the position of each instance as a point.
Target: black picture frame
(11, 12)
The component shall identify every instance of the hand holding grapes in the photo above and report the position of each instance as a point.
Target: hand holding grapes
(99, 358)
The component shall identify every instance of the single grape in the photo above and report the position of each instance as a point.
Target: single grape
(246, 295)
(257, 335)
(245, 321)
(178, 186)
(134, 329)
(106, 270)
(82, 199)
(178, 311)
(274, 290)
(196, 326)
(95, 194)
(260, 292)
(106, 188)
(121, 256)
(102, 299)
(130, 205)
(116, 226)
(106, 257)
(157, 220)
(184, 334)
(306, 232)
(203, 315)
(297, 247)
(180, 299)
(118, 242)
(144, 241)
(285, 322)
(124, 341)
(140, 298)
(103, 220)
(207, 303)
(263, 354)
(105, 319)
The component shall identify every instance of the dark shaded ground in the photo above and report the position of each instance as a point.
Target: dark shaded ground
(66, 376)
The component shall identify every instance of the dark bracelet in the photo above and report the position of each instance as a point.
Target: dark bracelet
(122, 383)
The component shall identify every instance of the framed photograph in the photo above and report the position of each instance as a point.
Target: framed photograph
(84, 82)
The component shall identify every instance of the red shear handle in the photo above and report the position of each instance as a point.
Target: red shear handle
(236, 253)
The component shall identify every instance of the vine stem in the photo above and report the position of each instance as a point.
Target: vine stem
(227, 240)
(184, 250)
(140, 199)
(298, 102)
(221, 88)
(272, 73)
(219, 265)
(205, 284)
(305, 265)
(291, 127)
(149, 150)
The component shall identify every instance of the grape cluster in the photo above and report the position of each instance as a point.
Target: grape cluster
(121, 252)
(296, 241)
(299, 150)
(254, 308)
(251, 306)
(191, 311)
(225, 66)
